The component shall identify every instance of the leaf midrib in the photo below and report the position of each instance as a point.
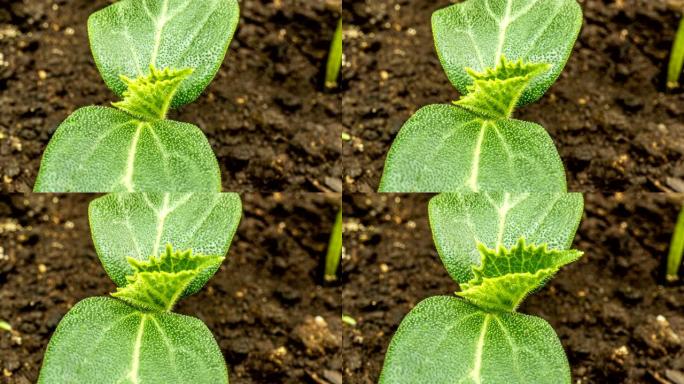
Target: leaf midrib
(159, 27)
(127, 177)
(135, 356)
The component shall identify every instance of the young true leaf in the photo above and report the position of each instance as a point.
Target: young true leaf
(476, 34)
(158, 283)
(149, 98)
(105, 341)
(445, 340)
(506, 276)
(444, 148)
(130, 36)
(140, 225)
(99, 149)
(461, 221)
(496, 92)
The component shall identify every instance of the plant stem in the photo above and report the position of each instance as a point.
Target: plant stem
(332, 259)
(674, 259)
(676, 58)
(334, 58)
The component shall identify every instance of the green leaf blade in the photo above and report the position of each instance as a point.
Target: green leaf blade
(140, 225)
(444, 148)
(104, 340)
(130, 35)
(460, 221)
(445, 340)
(99, 149)
(158, 283)
(477, 33)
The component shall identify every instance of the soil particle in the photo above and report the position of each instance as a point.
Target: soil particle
(614, 125)
(616, 319)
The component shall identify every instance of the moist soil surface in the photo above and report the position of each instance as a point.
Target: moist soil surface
(273, 319)
(603, 307)
(615, 127)
(266, 117)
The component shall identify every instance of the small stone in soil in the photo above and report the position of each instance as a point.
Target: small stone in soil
(677, 377)
(315, 335)
(334, 377)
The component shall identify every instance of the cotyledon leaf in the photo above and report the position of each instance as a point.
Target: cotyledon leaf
(105, 341)
(140, 225)
(445, 340)
(460, 221)
(477, 33)
(445, 148)
(99, 149)
(129, 36)
(507, 276)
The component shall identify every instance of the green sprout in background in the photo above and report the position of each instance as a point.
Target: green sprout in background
(676, 58)
(674, 69)
(332, 72)
(674, 259)
(5, 326)
(332, 259)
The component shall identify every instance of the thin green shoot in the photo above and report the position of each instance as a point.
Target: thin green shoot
(674, 259)
(5, 326)
(674, 69)
(348, 320)
(334, 58)
(332, 258)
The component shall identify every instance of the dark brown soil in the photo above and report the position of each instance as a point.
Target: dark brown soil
(265, 115)
(261, 306)
(615, 128)
(603, 307)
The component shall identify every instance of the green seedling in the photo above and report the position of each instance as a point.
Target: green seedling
(332, 72)
(674, 259)
(332, 258)
(134, 336)
(5, 326)
(499, 247)
(499, 54)
(156, 55)
(349, 320)
(674, 69)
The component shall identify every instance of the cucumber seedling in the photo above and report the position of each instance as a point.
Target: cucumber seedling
(499, 247)
(134, 337)
(156, 55)
(674, 69)
(499, 54)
